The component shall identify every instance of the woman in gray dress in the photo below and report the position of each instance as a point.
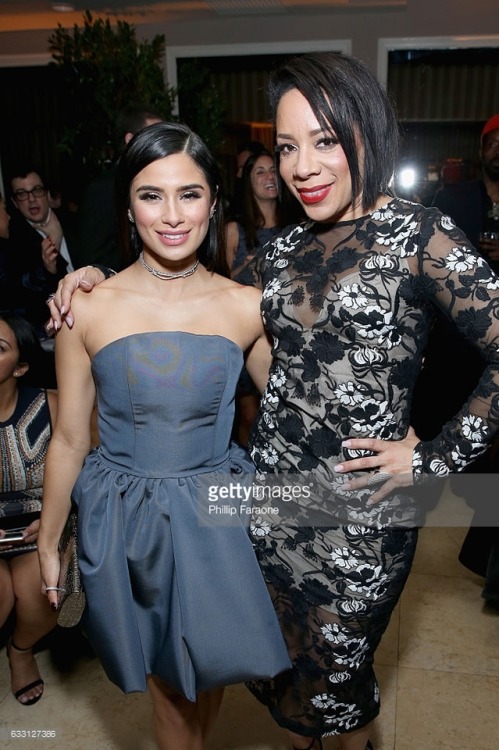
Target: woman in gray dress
(169, 571)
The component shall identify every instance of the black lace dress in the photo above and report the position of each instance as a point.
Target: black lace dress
(350, 307)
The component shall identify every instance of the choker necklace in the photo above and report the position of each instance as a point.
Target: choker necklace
(164, 274)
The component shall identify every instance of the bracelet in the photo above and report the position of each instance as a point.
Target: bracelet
(108, 272)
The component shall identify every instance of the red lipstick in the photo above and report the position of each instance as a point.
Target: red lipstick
(313, 195)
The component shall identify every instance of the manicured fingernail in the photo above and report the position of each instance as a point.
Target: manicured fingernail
(56, 325)
(84, 282)
(69, 321)
(338, 467)
(345, 444)
(54, 606)
(63, 310)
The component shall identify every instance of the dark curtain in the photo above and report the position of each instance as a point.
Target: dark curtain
(31, 126)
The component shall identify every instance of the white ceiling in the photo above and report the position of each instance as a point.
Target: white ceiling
(16, 15)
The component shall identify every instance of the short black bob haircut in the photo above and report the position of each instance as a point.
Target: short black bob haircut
(156, 142)
(346, 98)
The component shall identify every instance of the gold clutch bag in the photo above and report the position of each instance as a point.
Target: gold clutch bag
(71, 597)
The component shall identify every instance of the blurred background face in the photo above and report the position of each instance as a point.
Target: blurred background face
(31, 197)
(490, 154)
(4, 220)
(264, 178)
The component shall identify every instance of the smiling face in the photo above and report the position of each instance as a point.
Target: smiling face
(264, 179)
(312, 163)
(4, 220)
(170, 201)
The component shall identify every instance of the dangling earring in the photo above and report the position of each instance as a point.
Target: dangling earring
(212, 212)
(130, 217)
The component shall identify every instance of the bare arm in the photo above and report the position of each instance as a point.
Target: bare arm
(60, 305)
(68, 447)
(258, 361)
(231, 241)
(52, 404)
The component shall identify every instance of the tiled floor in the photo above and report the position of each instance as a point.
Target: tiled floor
(438, 667)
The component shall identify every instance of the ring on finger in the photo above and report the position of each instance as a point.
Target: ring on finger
(379, 477)
(49, 298)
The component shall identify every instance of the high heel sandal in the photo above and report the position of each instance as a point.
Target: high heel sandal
(22, 691)
(309, 747)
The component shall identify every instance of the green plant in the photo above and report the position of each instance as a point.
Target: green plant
(199, 103)
(104, 69)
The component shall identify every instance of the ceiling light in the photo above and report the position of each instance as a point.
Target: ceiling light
(63, 7)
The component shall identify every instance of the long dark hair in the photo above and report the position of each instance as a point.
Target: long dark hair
(156, 142)
(252, 218)
(347, 98)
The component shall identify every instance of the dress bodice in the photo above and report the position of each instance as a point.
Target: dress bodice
(349, 307)
(166, 401)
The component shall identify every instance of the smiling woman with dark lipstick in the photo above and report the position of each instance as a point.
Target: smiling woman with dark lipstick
(348, 299)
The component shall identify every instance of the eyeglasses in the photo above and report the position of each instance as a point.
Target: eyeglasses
(23, 195)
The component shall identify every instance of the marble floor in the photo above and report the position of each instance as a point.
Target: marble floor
(438, 668)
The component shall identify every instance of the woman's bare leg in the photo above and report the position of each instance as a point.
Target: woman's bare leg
(34, 619)
(209, 704)
(356, 740)
(6, 592)
(300, 742)
(179, 723)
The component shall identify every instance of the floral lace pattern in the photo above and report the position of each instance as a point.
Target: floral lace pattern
(349, 307)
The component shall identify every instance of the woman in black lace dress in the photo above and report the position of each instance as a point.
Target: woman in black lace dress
(348, 298)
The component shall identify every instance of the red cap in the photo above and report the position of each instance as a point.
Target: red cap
(492, 124)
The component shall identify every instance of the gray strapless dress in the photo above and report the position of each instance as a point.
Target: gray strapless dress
(171, 590)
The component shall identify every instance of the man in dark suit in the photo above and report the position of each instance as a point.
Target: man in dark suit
(39, 247)
(474, 204)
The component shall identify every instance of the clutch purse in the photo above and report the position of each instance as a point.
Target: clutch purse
(71, 597)
(14, 518)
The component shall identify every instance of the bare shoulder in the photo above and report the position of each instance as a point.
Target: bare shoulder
(232, 230)
(240, 293)
(89, 307)
(87, 299)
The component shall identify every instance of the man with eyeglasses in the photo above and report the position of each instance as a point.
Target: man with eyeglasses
(39, 252)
